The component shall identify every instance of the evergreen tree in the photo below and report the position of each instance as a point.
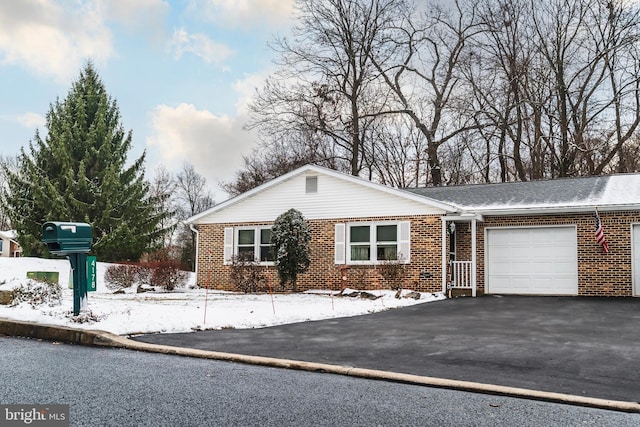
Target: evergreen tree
(290, 237)
(79, 172)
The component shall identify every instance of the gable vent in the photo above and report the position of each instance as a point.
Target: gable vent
(311, 184)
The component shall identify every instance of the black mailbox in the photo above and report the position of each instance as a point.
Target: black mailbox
(67, 237)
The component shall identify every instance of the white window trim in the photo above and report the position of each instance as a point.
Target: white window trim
(406, 259)
(256, 242)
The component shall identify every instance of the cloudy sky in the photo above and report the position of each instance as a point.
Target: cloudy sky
(182, 72)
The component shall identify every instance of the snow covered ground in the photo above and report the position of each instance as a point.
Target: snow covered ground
(183, 310)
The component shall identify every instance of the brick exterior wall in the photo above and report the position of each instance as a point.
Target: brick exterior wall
(422, 274)
(598, 274)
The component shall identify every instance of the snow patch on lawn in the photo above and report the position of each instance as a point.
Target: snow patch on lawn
(184, 310)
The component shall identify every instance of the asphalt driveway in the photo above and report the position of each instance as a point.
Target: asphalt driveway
(575, 345)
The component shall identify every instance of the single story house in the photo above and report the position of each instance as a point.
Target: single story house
(9, 247)
(533, 238)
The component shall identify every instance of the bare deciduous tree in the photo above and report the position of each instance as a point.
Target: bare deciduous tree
(326, 82)
(421, 60)
(193, 197)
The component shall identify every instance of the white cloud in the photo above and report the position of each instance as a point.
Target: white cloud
(31, 120)
(246, 88)
(213, 144)
(199, 45)
(51, 40)
(245, 13)
(136, 14)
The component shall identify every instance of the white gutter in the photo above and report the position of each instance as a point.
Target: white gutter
(506, 211)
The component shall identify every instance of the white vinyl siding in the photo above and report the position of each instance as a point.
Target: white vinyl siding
(532, 260)
(335, 198)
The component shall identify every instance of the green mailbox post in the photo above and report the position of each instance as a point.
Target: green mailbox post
(72, 239)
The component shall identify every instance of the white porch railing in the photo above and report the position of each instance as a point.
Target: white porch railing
(461, 275)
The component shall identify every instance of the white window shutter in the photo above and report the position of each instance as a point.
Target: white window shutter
(404, 241)
(228, 245)
(340, 244)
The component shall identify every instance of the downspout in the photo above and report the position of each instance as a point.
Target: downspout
(195, 230)
(474, 261)
(444, 255)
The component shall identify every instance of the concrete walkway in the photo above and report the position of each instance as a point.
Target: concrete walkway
(574, 345)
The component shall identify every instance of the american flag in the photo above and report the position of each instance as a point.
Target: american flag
(600, 234)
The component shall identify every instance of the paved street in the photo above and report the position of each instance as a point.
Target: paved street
(580, 346)
(109, 387)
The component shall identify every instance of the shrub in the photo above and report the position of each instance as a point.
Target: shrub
(37, 293)
(290, 237)
(393, 271)
(121, 276)
(159, 270)
(165, 274)
(247, 274)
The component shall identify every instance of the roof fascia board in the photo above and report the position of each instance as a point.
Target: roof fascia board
(325, 171)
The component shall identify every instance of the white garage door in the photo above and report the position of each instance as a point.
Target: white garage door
(536, 261)
(636, 260)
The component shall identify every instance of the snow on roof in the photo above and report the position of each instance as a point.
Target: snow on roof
(9, 234)
(564, 193)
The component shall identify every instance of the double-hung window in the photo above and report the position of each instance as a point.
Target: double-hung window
(253, 243)
(368, 243)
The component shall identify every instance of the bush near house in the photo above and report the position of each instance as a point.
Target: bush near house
(247, 275)
(394, 272)
(290, 237)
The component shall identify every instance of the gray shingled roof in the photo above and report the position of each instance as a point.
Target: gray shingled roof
(622, 189)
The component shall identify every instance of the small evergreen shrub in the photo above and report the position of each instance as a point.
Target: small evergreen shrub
(37, 293)
(290, 237)
(247, 275)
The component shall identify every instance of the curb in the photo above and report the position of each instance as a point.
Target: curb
(107, 339)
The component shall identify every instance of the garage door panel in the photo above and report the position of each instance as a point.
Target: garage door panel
(501, 252)
(520, 238)
(540, 260)
(521, 283)
(565, 268)
(521, 268)
(501, 268)
(543, 252)
(518, 252)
